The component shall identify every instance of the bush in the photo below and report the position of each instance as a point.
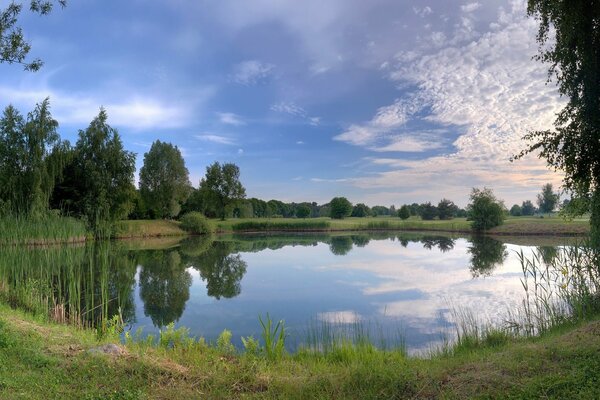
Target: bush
(404, 212)
(340, 208)
(485, 211)
(196, 223)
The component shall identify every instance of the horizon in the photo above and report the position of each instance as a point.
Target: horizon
(382, 103)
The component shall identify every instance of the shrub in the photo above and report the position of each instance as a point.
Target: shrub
(404, 212)
(485, 211)
(196, 223)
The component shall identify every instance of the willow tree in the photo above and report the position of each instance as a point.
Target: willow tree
(569, 41)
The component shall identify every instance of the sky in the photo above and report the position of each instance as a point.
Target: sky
(382, 101)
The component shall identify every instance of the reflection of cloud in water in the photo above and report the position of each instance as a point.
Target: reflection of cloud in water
(340, 317)
(443, 281)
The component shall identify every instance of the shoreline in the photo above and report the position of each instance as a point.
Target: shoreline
(147, 229)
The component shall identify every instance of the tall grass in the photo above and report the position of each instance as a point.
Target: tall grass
(68, 284)
(49, 229)
(561, 291)
(564, 289)
(342, 341)
(262, 226)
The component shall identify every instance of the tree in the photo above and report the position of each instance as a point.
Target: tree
(569, 37)
(446, 209)
(303, 211)
(31, 159)
(13, 46)
(103, 172)
(222, 186)
(361, 210)
(516, 211)
(547, 200)
(164, 182)
(340, 208)
(428, 211)
(404, 212)
(485, 211)
(527, 208)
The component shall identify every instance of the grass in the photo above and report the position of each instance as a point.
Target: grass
(50, 229)
(51, 361)
(147, 228)
(550, 225)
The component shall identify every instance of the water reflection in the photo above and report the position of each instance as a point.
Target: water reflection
(486, 254)
(164, 285)
(210, 284)
(220, 269)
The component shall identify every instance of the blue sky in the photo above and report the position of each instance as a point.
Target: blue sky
(382, 101)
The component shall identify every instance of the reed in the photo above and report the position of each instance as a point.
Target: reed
(48, 229)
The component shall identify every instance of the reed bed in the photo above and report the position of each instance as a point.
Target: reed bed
(49, 229)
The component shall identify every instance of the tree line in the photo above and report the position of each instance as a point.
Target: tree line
(94, 180)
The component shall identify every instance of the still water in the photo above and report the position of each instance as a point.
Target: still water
(393, 284)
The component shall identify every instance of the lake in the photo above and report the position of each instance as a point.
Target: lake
(400, 287)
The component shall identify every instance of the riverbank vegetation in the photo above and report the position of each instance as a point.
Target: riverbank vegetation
(548, 347)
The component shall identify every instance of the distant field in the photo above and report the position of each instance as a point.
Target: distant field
(513, 226)
(552, 225)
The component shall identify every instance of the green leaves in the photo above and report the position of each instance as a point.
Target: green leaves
(164, 182)
(13, 46)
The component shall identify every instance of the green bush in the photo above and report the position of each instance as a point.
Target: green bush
(196, 223)
(485, 211)
(340, 208)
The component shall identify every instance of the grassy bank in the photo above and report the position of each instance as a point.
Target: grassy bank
(147, 228)
(50, 361)
(512, 226)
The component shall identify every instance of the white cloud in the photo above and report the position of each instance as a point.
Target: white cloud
(295, 110)
(491, 90)
(230, 119)
(422, 12)
(289, 108)
(240, 151)
(216, 139)
(409, 144)
(386, 120)
(134, 113)
(251, 72)
(470, 7)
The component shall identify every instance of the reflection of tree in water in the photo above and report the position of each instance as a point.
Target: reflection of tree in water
(486, 255)
(121, 283)
(441, 242)
(164, 286)
(340, 245)
(222, 270)
(548, 254)
(360, 240)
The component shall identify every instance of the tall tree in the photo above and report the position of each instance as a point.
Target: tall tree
(222, 186)
(164, 180)
(13, 46)
(547, 200)
(31, 159)
(569, 39)
(104, 174)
